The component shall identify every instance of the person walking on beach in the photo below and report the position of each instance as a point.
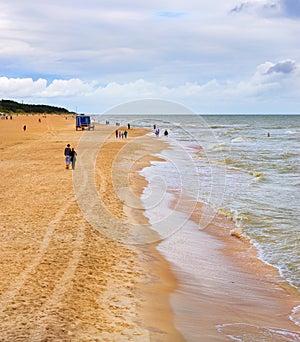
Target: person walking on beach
(68, 156)
(73, 155)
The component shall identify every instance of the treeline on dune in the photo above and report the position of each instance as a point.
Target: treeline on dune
(8, 106)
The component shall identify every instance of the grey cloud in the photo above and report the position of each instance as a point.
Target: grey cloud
(241, 7)
(266, 9)
(287, 8)
(285, 67)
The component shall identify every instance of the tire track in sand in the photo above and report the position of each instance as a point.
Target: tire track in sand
(87, 154)
(45, 314)
(16, 286)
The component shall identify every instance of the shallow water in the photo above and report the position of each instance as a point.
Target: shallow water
(232, 164)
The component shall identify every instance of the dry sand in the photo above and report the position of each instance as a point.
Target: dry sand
(61, 279)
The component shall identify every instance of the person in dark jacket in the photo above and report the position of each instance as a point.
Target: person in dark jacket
(68, 156)
(73, 158)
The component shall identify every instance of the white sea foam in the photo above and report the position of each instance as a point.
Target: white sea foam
(241, 140)
(249, 332)
(295, 315)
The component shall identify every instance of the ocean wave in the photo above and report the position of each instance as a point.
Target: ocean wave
(249, 332)
(288, 154)
(220, 126)
(221, 147)
(230, 161)
(292, 132)
(257, 175)
(295, 315)
(235, 216)
(241, 140)
(230, 214)
(238, 233)
(232, 126)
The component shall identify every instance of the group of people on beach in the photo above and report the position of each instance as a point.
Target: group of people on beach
(70, 155)
(120, 134)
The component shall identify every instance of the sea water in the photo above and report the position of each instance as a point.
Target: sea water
(244, 166)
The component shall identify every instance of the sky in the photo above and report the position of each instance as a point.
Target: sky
(212, 57)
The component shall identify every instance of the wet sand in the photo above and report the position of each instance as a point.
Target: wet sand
(224, 290)
(67, 275)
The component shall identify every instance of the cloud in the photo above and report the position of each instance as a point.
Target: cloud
(287, 8)
(27, 87)
(18, 87)
(98, 53)
(264, 8)
(270, 87)
(274, 84)
(285, 67)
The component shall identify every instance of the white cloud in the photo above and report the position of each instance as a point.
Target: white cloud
(66, 88)
(18, 87)
(279, 80)
(27, 87)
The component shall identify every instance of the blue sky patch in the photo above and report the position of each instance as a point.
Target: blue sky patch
(169, 14)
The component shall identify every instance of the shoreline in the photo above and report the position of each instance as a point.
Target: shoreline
(175, 280)
(63, 276)
(158, 282)
(240, 259)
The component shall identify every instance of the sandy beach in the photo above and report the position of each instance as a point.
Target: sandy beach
(60, 278)
(70, 275)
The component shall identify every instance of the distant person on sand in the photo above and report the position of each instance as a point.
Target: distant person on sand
(24, 128)
(68, 156)
(117, 133)
(73, 155)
